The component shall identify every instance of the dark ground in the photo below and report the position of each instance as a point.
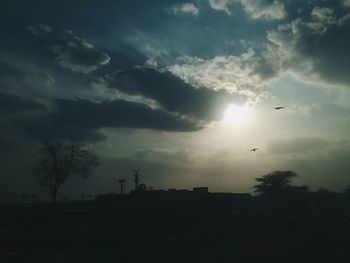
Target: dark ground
(182, 227)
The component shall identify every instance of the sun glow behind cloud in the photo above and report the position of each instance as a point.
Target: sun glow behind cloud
(236, 115)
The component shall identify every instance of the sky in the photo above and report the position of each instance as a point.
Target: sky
(181, 90)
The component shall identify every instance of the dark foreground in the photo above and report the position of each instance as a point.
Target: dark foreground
(160, 227)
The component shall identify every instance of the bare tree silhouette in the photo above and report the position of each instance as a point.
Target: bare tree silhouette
(61, 159)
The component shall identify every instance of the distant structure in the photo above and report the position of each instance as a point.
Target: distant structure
(27, 198)
(142, 187)
(201, 190)
(65, 198)
(137, 179)
(122, 184)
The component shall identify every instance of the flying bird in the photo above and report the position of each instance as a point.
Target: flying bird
(279, 108)
(254, 149)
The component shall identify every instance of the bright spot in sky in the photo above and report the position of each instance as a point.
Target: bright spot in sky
(236, 115)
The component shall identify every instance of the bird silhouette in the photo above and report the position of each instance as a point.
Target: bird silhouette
(254, 149)
(279, 108)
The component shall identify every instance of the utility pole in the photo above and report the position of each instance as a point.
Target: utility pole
(122, 185)
(136, 179)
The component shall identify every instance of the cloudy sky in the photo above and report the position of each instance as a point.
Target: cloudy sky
(180, 89)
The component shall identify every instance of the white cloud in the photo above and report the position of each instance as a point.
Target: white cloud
(315, 49)
(264, 9)
(322, 13)
(39, 29)
(254, 8)
(184, 9)
(232, 73)
(220, 5)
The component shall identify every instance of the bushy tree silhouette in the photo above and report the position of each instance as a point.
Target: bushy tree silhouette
(274, 183)
(277, 193)
(61, 159)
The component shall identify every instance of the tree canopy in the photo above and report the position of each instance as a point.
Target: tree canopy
(274, 183)
(60, 159)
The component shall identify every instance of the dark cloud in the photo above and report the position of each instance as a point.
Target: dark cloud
(39, 129)
(82, 119)
(70, 51)
(118, 113)
(8, 143)
(18, 75)
(12, 103)
(172, 93)
(316, 41)
(7, 69)
(326, 42)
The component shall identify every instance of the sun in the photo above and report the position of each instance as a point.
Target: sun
(236, 115)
